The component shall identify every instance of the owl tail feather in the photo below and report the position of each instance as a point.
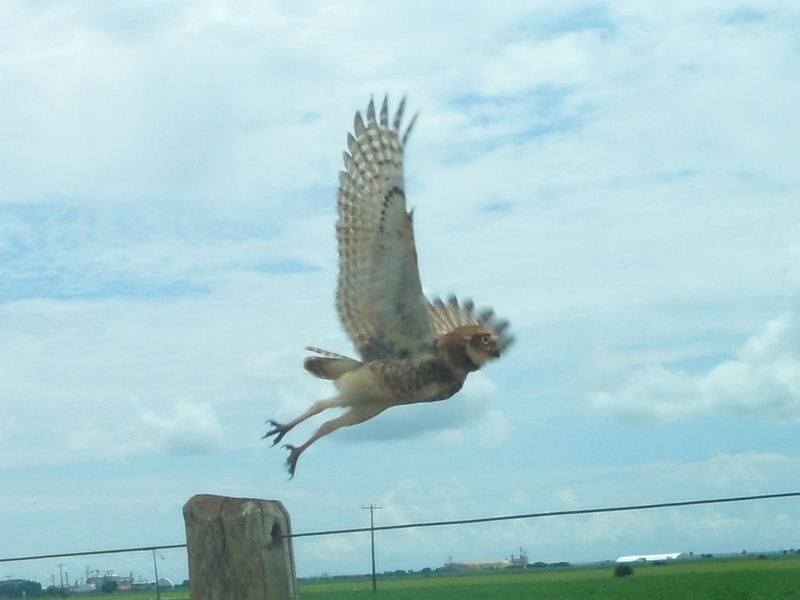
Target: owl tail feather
(329, 365)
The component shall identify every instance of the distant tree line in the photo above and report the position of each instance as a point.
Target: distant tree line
(19, 588)
(23, 588)
(541, 565)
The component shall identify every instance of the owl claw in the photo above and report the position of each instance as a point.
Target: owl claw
(278, 430)
(291, 462)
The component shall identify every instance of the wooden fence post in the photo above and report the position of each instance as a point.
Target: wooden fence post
(238, 549)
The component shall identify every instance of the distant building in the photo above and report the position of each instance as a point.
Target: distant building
(97, 580)
(163, 584)
(515, 562)
(521, 561)
(651, 557)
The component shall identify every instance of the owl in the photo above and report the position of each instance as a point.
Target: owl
(410, 349)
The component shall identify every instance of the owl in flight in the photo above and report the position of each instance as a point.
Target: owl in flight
(411, 349)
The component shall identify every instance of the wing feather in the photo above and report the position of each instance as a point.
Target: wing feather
(379, 294)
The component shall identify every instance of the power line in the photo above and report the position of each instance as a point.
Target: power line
(93, 552)
(556, 513)
(537, 515)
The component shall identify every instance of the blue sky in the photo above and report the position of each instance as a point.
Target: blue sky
(619, 181)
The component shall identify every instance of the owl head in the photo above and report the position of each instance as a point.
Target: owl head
(481, 330)
(480, 344)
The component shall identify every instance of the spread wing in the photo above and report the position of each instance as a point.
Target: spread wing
(445, 316)
(379, 295)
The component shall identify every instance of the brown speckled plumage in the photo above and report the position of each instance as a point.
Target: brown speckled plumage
(412, 350)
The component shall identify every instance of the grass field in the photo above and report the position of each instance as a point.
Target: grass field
(776, 578)
(741, 579)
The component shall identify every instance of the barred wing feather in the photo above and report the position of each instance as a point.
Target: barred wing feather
(379, 295)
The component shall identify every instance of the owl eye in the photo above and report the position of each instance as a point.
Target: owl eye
(485, 339)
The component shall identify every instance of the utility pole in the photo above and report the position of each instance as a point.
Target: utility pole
(372, 508)
(61, 576)
(155, 568)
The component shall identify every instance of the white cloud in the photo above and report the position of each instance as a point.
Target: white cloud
(186, 428)
(747, 470)
(652, 394)
(189, 428)
(762, 381)
(566, 496)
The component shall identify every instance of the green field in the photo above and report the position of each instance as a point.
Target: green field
(776, 578)
(750, 579)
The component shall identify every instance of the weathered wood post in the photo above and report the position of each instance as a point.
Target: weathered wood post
(239, 549)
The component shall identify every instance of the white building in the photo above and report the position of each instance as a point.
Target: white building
(651, 557)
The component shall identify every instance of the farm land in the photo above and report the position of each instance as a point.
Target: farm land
(745, 578)
(740, 579)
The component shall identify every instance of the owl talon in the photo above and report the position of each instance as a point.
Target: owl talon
(278, 430)
(291, 461)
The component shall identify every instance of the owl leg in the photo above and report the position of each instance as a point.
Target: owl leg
(357, 414)
(279, 430)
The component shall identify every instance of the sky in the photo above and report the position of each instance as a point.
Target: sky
(619, 180)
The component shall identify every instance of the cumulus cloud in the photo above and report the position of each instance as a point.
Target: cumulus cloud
(566, 496)
(763, 379)
(186, 428)
(745, 470)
